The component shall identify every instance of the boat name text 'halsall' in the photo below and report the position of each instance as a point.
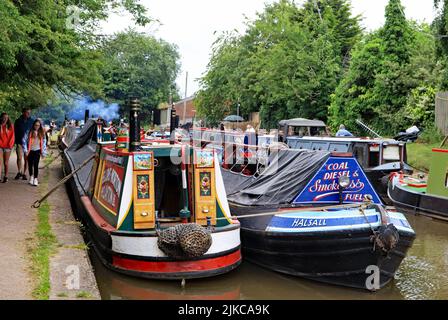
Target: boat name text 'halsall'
(309, 223)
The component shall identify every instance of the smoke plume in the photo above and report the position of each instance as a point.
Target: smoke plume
(97, 108)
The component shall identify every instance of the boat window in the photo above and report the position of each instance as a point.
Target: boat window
(391, 153)
(338, 147)
(317, 131)
(359, 154)
(374, 155)
(298, 131)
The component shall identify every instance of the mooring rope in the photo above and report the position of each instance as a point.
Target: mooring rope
(343, 206)
(37, 203)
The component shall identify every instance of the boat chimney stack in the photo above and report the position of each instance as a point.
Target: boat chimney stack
(86, 115)
(134, 125)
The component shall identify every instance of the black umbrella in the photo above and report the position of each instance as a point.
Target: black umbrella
(233, 118)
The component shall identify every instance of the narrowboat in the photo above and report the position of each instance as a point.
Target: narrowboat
(427, 195)
(377, 156)
(315, 214)
(152, 210)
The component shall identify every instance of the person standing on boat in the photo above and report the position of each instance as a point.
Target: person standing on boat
(343, 132)
(6, 143)
(34, 146)
(21, 126)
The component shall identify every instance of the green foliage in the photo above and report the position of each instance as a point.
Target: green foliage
(431, 135)
(345, 27)
(286, 64)
(392, 80)
(440, 25)
(139, 65)
(41, 54)
(396, 34)
(419, 109)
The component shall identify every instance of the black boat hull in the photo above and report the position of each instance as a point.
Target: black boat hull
(436, 207)
(334, 257)
(338, 259)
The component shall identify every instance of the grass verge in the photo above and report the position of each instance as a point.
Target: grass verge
(419, 154)
(44, 245)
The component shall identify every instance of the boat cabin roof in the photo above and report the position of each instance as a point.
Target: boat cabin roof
(347, 139)
(302, 122)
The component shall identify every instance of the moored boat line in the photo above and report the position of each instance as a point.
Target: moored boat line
(285, 210)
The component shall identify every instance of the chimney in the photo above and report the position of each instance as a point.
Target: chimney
(134, 125)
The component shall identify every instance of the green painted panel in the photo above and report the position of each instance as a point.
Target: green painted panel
(438, 174)
(220, 214)
(414, 189)
(128, 223)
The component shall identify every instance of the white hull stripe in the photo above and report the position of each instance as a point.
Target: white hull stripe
(126, 198)
(147, 246)
(220, 189)
(325, 221)
(323, 229)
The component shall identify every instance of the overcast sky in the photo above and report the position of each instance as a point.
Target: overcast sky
(190, 24)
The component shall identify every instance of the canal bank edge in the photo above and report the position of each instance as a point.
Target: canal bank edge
(71, 272)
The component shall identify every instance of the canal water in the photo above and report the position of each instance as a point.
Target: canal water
(422, 275)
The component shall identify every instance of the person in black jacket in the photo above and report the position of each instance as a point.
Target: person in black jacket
(22, 125)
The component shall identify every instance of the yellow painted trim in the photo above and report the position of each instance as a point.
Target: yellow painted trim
(98, 178)
(98, 198)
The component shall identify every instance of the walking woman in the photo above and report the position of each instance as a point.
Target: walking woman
(34, 146)
(6, 143)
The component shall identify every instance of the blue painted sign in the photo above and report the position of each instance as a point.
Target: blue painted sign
(324, 187)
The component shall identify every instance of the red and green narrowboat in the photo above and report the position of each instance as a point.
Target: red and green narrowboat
(152, 210)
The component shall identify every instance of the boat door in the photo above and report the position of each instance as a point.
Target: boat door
(204, 186)
(143, 190)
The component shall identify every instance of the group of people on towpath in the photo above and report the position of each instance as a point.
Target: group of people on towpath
(28, 138)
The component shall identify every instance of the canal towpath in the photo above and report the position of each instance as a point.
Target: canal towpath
(67, 272)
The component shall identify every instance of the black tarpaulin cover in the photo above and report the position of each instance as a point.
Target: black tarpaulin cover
(83, 147)
(88, 133)
(287, 174)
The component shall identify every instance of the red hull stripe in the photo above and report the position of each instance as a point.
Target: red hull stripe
(177, 266)
(440, 150)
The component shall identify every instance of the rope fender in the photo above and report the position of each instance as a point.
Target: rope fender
(386, 238)
(188, 240)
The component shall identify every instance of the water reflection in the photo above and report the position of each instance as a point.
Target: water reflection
(422, 275)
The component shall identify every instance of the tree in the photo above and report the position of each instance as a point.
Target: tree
(384, 94)
(396, 34)
(345, 27)
(440, 25)
(286, 64)
(40, 53)
(138, 65)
